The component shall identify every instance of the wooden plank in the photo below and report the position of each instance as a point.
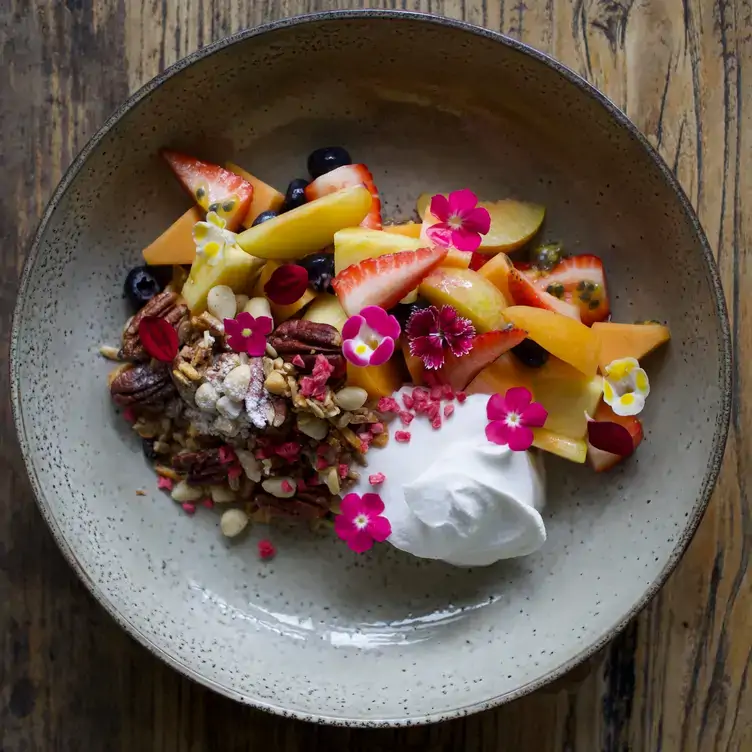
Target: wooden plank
(677, 679)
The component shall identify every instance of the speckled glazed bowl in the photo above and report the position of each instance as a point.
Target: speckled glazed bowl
(321, 633)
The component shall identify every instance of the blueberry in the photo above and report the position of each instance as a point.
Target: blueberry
(264, 216)
(320, 268)
(403, 311)
(141, 285)
(531, 353)
(326, 159)
(147, 445)
(295, 195)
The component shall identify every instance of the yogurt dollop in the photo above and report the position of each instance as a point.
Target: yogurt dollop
(452, 495)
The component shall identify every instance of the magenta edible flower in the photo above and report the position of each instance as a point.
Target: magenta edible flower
(248, 334)
(432, 329)
(461, 221)
(369, 337)
(360, 522)
(512, 418)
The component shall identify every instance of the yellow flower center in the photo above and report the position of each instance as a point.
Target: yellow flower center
(246, 332)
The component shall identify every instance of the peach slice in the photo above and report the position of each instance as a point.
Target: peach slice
(408, 229)
(496, 271)
(414, 364)
(472, 295)
(565, 393)
(574, 450)
(513, 223)
(628, 340)
(378, 381)
(567, 339)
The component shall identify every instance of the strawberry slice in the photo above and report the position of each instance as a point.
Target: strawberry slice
(579, 280)
(601, 460)
(459, 372)
(385, 280)
(212, 187)
(525, 292)
(346, 177)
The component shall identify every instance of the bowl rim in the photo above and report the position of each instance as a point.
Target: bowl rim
(725, 373)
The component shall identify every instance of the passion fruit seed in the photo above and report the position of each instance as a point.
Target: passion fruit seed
(556, 289)
(213, 207)
(546, 256)
(200, 193)
(228, 206)
(645, 322)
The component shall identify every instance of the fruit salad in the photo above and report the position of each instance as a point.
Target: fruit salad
(298, 357)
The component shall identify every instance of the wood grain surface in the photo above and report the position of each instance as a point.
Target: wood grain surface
(676, 680)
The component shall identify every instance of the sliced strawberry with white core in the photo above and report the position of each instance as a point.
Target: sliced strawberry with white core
(524, 292)
(346, 177)
(579, 280)
(601, 460)
(459, 372)
(212, 187)
(385, 280)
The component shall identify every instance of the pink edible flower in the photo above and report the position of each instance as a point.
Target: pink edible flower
(512, 417)
(376, 479)
(248, 334)
(360, 522)
(431, 329)
(368, 338)
(461, 221)
(164, 484)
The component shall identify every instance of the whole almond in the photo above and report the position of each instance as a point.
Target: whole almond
(258, 307)
(351, 397)
(233, 522)
(221, 302)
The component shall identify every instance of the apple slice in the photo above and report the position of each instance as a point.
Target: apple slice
(309, 228)
(513, 223)
(473, 296)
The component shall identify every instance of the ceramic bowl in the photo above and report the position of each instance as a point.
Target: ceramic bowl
(321, 633)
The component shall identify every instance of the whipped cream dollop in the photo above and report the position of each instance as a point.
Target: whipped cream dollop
(451, 494)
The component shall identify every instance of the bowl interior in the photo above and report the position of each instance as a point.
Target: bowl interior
(321, 632)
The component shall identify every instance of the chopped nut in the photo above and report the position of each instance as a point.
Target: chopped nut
(225, 426)
(332, 480)
(251, 466)
(351, 397)
(281, 487)
(189, 371)
(276, 383)
(258, 307)
(241, 301)
(221, 302)
(312, 426)
(115, 373)
(229, 408)
(315, 408)
(222, 494)
(206, 397)
(233, 522)
(110, 352)
(184, 492)
(166, 472)
(271, 352)
(380, 440)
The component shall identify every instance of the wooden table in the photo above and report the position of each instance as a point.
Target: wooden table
(678, 679)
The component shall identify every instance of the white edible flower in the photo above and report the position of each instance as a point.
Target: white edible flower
(625, 386)
(212, 238)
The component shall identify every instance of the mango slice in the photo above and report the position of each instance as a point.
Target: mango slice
(175, 245)
(628, 340)
(378, 381)
(265, 198)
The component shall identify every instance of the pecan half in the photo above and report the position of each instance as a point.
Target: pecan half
(143, 384)
(202, 468)
(164, 305)
(306, 339)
